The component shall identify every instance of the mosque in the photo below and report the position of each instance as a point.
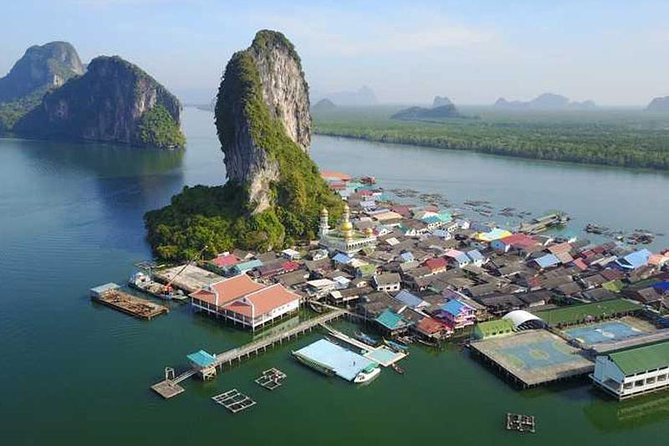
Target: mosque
(344, 239)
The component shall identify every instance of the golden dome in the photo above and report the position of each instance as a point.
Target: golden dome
(346, 226)
(324, 211)
(369, 232)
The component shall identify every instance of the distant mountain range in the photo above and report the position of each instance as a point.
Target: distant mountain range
(442, 108)
(363, 96)
(546, 101)
(323, 105)
(659, 104)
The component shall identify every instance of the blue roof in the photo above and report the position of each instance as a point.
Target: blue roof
(454, 307)
(409, 299)
(390, 320)
(407, 256)
(345, 363)
(341, 258)
(462, 258)
(475, 255)
(547, 261)
(662, 286)
(635, 260)
(247, 266)
(202, 358)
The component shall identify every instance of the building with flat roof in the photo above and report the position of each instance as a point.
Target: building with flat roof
(241, 300)
(633, 371)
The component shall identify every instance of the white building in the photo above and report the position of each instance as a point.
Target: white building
(634, 371)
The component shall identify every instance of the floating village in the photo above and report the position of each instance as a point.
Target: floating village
(528, 302)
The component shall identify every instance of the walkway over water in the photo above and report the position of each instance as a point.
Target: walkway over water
(170, 387)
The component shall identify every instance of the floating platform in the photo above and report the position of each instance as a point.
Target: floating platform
(534, 357)
(111, 295)
(381, 355)
(329, 358)
(167, 389)
(520, 423)
(234, 400)
(271, 379)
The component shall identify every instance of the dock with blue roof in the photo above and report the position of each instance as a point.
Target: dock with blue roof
(330, 358)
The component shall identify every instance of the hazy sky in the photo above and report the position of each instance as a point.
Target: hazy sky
(614, 52)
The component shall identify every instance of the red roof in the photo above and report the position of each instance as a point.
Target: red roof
(404, 211)
(612, 274)
(430, 326)
(227, 290)
(262, 301)
(334, 174)
(366, 193)
(436, 263)
(290, 266)
(580, 264)
(519, 241)
(226, 260)
(560, 247)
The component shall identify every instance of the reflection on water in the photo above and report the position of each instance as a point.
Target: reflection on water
(606, 414)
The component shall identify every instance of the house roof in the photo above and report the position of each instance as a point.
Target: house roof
(436, 263)
(410, 299)
(262, 301)
(201, 358)
(635, 260)
(387, 278)
(547, 261)
(489, 328)
(226, 260)
(430, 326)
(454, 307)
(640, 359)
(390, 320)
(493, 234)
(227, 290)
(519, 240)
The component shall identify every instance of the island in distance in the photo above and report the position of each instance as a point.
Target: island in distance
(48, 94)
(442, 108)
(659, 104)
(546, 101)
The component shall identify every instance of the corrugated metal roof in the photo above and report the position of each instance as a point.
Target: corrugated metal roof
(640, 359)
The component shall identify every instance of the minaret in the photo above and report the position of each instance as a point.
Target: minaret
(346, 226)
(323, 227)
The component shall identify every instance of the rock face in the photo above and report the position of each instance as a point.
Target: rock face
(660, 104)
(440, 101)
(114, 101)
(545, 101)
(262, 85)
(40, 69)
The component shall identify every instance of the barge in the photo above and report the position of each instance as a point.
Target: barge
(110, 294)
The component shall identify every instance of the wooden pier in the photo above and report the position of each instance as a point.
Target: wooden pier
(169, 387)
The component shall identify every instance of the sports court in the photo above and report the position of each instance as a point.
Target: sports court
(534, 356)
(604, 332)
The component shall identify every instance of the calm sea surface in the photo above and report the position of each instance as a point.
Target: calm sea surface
(74, 373)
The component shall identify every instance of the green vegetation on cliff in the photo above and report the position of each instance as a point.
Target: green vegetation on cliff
(625, 138)
(157, 128)
(222, 217)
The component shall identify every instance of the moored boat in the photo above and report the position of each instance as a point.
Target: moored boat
(367, 374)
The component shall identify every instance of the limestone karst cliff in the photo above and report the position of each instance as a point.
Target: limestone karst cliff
(274, 191)
(115, 101)
(40, 70)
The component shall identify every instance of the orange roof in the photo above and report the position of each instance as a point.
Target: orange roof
(263, 301)
(228, 290)
(334, 174)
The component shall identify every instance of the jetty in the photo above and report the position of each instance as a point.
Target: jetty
(380, 355)
(110, 294)
(170, 387)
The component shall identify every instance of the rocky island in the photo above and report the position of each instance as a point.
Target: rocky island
(659, 104)
(274, 191)
(114, 101)
(442, 107)
(41, 69)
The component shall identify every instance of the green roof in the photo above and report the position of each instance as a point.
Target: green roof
(490, 328)
(615, 286)
(640, 359)
(576, 313)
(390, 320)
